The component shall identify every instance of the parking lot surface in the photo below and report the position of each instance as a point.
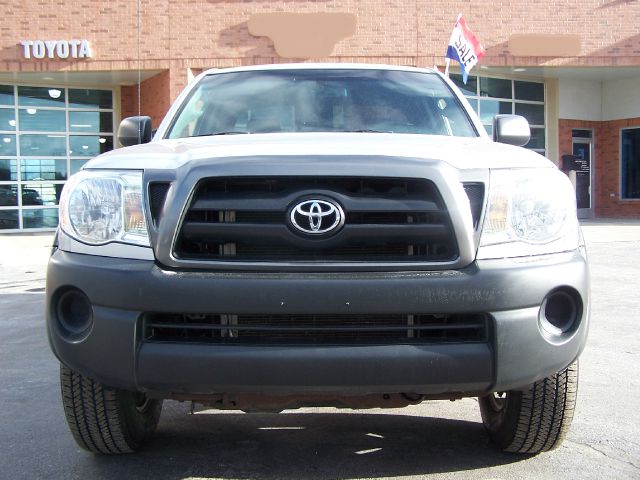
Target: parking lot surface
(439, 439)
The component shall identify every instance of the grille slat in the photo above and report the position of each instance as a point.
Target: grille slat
(247, 219)
(355, 233)
(315, 329)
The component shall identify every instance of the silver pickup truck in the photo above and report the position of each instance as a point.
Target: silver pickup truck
(318, 235)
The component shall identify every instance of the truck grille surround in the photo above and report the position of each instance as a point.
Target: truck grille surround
(249, 220)
(303, 329)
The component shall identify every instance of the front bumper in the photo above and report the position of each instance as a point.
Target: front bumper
(511, 291)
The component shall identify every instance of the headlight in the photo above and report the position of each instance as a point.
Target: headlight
(99, 207)
(529, 212)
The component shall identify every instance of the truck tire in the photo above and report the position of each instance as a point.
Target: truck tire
(106, 420)
(535, 419)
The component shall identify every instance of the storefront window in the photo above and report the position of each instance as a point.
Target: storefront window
(495, 88)
(49, 135)
(491, 108)
(630, 157)
(41, 97)
(8, 170)
(40, 120)
(94, 99)
(492, 96)
(471, 87)
(8, 218)
(76, 165)
(7, 119)
(532, 112)
(528, 91)
(37, 169)
(91, 122)
(6, 95)
(39, 145)
(40, 218)
(7, 145)
(89, 145)
(8, 196)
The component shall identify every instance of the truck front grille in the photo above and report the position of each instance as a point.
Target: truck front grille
(385, 219)
(315, 329)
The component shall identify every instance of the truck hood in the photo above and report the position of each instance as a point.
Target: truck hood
(460, 153)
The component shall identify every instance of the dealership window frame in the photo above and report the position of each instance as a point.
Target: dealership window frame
(636, 160)
(18, 175)
(477, 99)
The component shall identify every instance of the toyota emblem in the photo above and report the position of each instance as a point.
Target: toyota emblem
(317, 217)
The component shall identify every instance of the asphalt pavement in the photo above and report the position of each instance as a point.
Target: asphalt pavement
(439, 439)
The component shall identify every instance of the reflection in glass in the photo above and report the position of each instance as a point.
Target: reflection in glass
(91, 122)
(84, 98)
(495, 87)
(491, 108)
(537, 139)
(41, 97)
(40, 218)
(76, 165)
(89, 145)
(6, 95)
(8, 196)
(533, 113)
(40, 145)
(39, 120)
(471, 88)
(7, 119)
(8, 219)
(528, 91)
(7, 145)
(8, 170)
(581, 133)
(630, 162)
(46, 169)
(41, 193)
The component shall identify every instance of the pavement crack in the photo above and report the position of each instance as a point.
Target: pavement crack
(592, 447)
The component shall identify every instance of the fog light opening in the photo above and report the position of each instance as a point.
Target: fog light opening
(74, 314)
(560, 312)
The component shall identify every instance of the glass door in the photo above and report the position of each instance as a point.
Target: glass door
(583, 154)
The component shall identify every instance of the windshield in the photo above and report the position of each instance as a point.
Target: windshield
(339, 100)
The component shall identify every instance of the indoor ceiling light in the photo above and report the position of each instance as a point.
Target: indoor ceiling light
(55, 93)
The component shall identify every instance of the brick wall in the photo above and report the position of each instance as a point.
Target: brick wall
(607, 164)
(154, 98)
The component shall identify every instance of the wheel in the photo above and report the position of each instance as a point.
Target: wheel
(106, 420)
(535, 419)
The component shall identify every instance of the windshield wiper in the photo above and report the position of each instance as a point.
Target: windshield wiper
(365, 130)
(218, 133)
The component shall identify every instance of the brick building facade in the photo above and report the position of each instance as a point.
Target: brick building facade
(585, 53)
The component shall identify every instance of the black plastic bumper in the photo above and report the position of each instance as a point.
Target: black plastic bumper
(510, 291)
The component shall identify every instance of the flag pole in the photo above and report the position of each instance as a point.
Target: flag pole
(447, 60)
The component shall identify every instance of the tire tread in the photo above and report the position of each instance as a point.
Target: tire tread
(96, 415)
(539, 417)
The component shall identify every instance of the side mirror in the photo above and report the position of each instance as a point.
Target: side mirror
(511, 129)
(134, 130)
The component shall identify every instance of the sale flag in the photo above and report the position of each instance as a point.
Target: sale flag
(464, 48)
